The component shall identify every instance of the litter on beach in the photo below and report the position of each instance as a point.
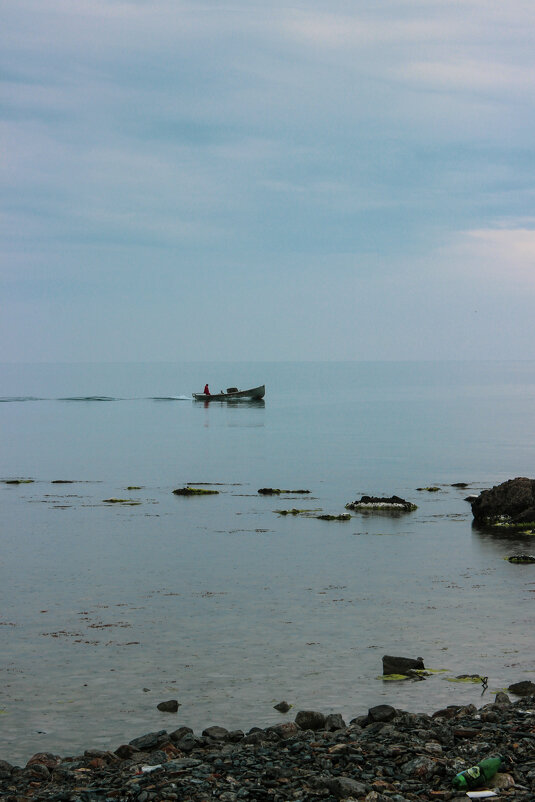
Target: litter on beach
(480, 794)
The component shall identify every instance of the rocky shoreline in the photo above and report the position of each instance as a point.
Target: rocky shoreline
(387, 755)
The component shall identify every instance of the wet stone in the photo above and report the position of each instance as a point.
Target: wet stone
(149, 741)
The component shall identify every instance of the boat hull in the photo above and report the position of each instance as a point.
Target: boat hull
(254, 394)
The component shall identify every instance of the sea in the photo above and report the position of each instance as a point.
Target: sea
(222, 601)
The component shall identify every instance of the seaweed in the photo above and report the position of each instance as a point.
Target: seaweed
(194, 491)
(345, 516)
(127, 501)
(273, 491)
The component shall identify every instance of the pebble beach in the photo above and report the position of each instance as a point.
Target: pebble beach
(385, 755)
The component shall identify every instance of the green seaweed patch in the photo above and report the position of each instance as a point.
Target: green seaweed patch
(521, 559)
(345, 516)
(18, 481)
(431, 671)
(127, 501)
(503, 523)
(474, 678)
(393, 677)
(134, 487)
(293, 511)
(431, 489)
(194, 491)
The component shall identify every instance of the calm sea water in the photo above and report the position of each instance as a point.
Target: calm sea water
(220, 602)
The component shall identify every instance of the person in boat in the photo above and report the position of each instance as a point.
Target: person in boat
(206, 390)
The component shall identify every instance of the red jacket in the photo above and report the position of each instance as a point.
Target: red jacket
(206, 390)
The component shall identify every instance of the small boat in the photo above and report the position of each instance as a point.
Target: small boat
(233, 394)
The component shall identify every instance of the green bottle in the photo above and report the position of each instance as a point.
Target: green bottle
(478, 775)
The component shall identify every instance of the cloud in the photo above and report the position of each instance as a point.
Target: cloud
(501, 256)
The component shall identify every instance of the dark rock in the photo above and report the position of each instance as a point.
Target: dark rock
(5, 769)
(514, 500)
(524, 688)
(447, 712)
(150, 741)
(257, 736)
(394, 503)
(44, 759)
(421, 768)
(282, 707)
(38, 771)
(334, 721)
(179, 764)
(382, 713)
(171, 706)
(125, 751)
(154, 758)
(340, 787)
(235, 736)
(179, 733)
(501, 699)
(286, 730)
(187, 743)
(216, 733)
(310, 720)
(460, 484)
(401, 665)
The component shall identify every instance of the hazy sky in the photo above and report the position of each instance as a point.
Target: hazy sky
(245, 180)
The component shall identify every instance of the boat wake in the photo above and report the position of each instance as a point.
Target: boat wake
(21, 398)
(89, 398)
(170, 398)
(11, 399)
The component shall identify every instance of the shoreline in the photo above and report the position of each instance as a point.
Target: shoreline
(387, 755)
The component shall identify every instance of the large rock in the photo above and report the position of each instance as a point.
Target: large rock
(150, 741)
(383, 713)
(401, 665)
(382, 503)
(524, 688)
(514, 500)
(216, 733)
(310, 720)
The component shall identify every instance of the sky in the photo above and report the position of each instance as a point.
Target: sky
(189, 180)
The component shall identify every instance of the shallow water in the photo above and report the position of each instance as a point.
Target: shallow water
(107, 609)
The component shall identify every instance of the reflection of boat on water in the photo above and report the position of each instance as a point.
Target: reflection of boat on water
(233, 394)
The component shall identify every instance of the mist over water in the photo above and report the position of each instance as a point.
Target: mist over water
(107, 608)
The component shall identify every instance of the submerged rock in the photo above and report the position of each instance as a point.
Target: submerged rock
(394, 503)
(282, 707)
(522, 558)
(171, 706)
(510, 502)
